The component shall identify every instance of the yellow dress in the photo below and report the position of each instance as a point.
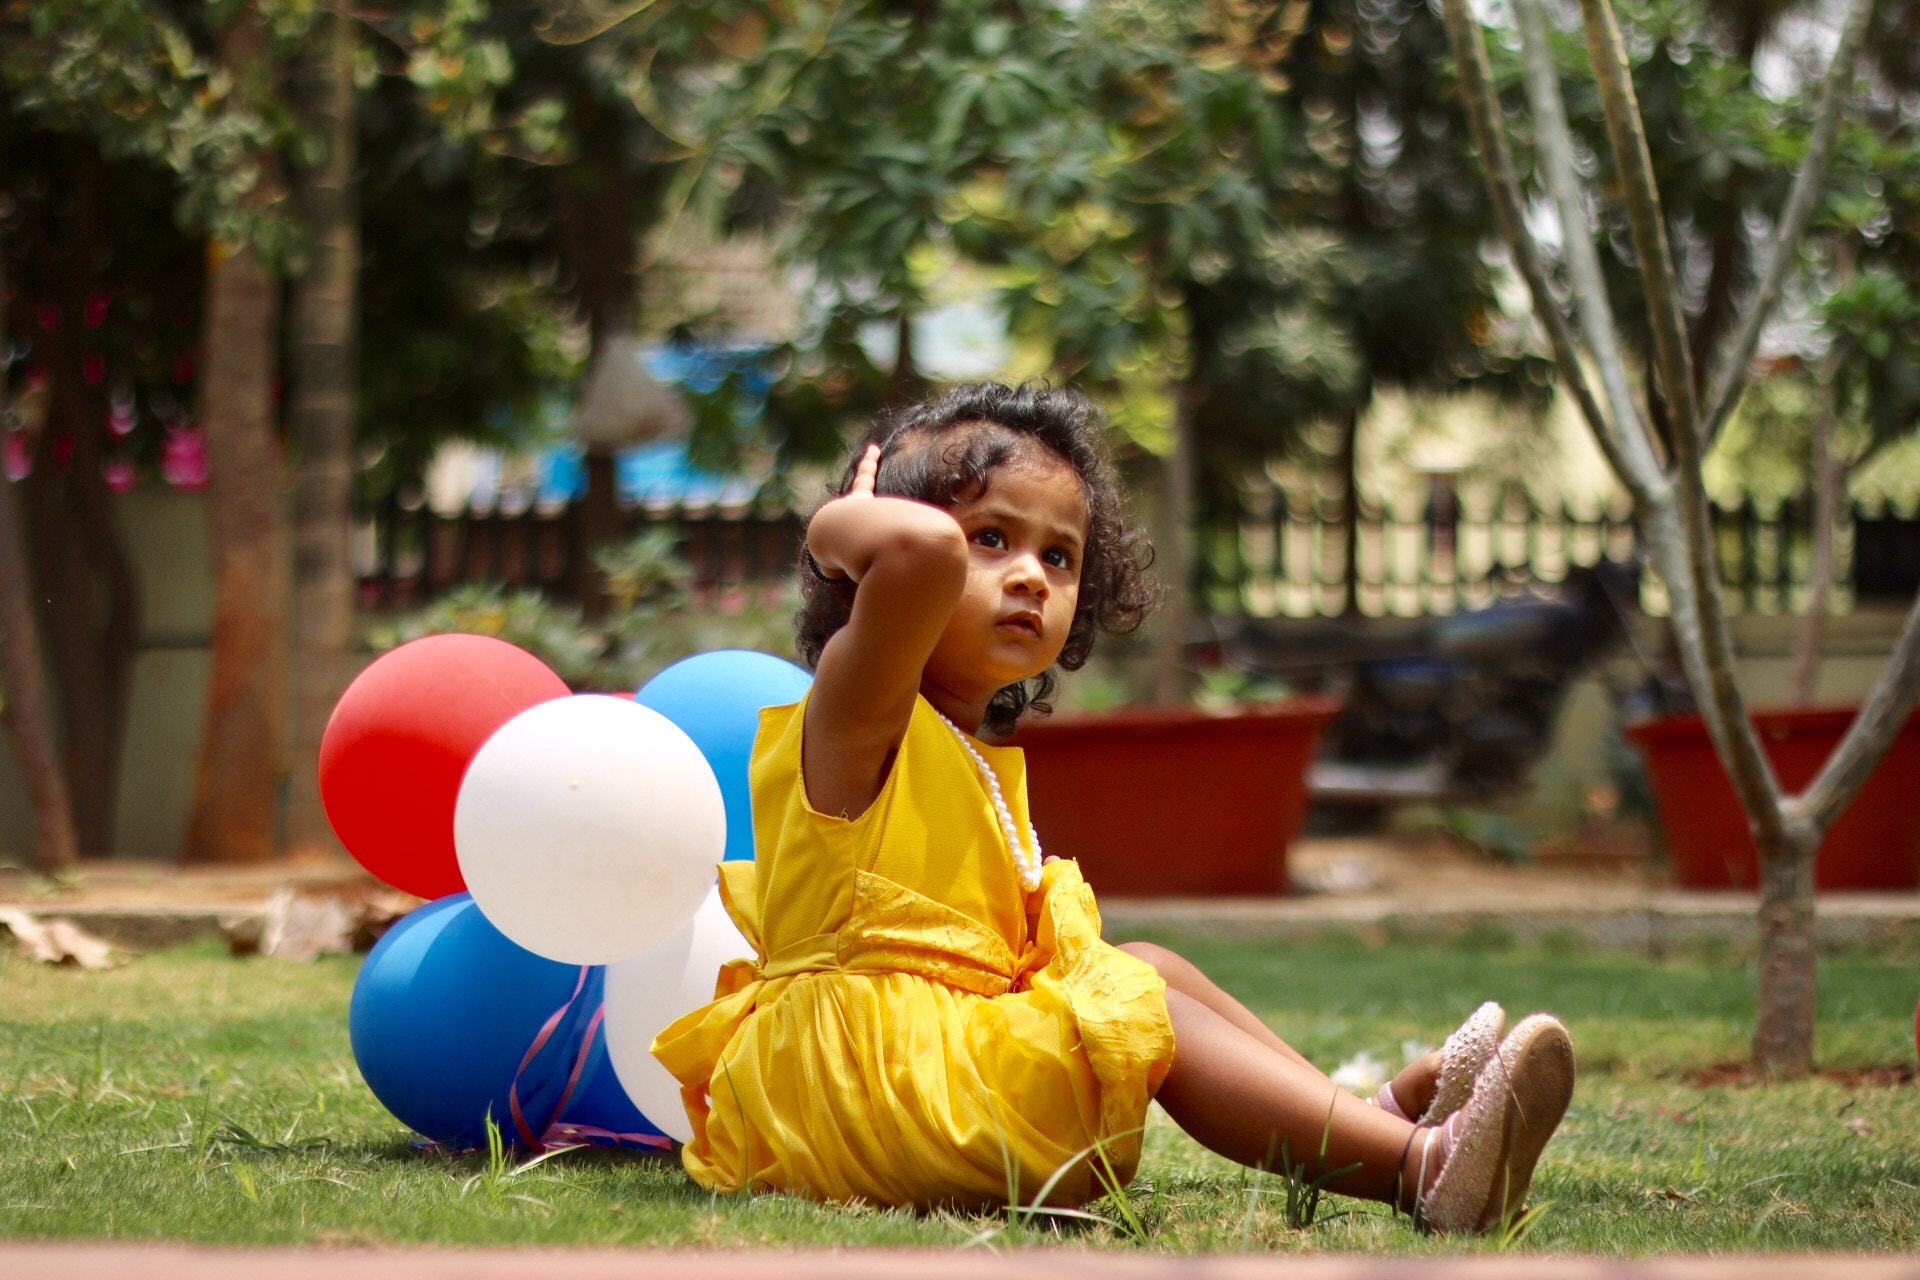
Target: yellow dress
(907, 1034)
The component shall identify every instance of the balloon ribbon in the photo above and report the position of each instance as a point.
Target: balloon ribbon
(555, 1135)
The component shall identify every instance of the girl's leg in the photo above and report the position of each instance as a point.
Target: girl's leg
(1235, 1095)
(1182, 975)
(1413, 1087)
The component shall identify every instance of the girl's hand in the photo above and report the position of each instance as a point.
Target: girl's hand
(862, 488)
(864, 474)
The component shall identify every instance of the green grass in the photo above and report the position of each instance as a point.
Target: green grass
(196, 1097)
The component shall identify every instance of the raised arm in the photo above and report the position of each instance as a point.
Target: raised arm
(910, 561)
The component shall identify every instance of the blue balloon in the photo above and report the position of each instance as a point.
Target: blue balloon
(443, 1011)
(716, 698)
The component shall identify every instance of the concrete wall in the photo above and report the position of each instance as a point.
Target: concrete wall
(165, 535)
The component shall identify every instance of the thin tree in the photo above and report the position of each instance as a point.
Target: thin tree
(321, 423)
(87, 598)
(22, 705)
(243, 754)
(1664, 476)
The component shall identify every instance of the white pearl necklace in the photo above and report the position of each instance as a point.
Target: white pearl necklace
(1025, 860)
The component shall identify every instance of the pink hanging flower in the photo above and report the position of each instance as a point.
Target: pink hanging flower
(93, 368)
(49, 316)
(62, 448)
(17, 455)
(119, 474)
(183, 458)
(96, 312)
(120, 417)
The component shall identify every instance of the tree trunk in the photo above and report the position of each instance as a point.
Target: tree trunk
(88, 600)
(321, 428)
(54, 848)
(243, 753)
(1349, 461)
(1828, 475)
(597, 525)
(1783, 1023)
(1176, 553)
(24, 711)
(594, 208)
(905, 385)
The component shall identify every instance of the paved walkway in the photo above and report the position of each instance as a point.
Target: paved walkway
(1378, 888)
(1428, 887)
(171, 1262)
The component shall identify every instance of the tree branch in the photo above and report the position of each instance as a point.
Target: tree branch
(1503, 189)
(1730, 378)
(1721, 704)
(1626, 135)
(1873, 730)
(1641, 469)
(1732, 735)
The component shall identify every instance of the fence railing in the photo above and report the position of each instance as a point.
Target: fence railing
(1278, 554)
(1299, 557)
(409, 555)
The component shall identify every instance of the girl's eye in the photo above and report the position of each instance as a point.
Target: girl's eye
(991, 538)
(1058, 558)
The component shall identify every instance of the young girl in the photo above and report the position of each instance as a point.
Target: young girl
(932, 1015)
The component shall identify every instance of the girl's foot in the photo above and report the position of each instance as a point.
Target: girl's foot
(1466, 1051)
(1482, 1159)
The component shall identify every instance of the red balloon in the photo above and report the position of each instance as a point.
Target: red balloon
(400, 741)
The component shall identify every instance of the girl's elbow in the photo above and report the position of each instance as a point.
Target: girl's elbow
(935, 547)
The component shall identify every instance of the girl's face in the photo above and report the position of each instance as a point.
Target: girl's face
(1026, 536)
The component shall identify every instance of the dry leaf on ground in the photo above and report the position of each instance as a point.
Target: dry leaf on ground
(292, 926)
(55, 941)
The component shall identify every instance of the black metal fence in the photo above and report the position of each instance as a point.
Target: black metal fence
(1279, 554)
(1287, 556)
(410, 554)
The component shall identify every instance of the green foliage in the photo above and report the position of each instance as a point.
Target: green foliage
(552, 632)
(941, 94)
(655, 621)
(1163, 193)
(645, 571)
(133, 76)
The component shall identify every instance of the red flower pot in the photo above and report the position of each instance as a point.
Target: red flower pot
(1874, 845)
(1172, 802)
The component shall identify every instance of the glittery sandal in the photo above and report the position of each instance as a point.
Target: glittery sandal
(1466, 1051)
(1489, 1147)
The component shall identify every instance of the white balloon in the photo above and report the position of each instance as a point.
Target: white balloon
(646, 993)
(588, 828)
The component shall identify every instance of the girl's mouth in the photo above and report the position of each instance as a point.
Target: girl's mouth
(1025, 624)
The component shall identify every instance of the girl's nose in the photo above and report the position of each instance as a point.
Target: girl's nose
(1029, 577)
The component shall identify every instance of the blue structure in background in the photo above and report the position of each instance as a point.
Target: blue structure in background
(660, 471)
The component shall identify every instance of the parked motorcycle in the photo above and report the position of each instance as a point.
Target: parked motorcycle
(1454, 708)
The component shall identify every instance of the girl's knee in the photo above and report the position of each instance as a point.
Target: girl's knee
(1154, 954)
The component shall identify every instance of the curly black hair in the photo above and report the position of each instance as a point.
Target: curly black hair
(944, 452)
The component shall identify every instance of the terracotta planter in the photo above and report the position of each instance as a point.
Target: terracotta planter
(1174, 803)
(1874, 845)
